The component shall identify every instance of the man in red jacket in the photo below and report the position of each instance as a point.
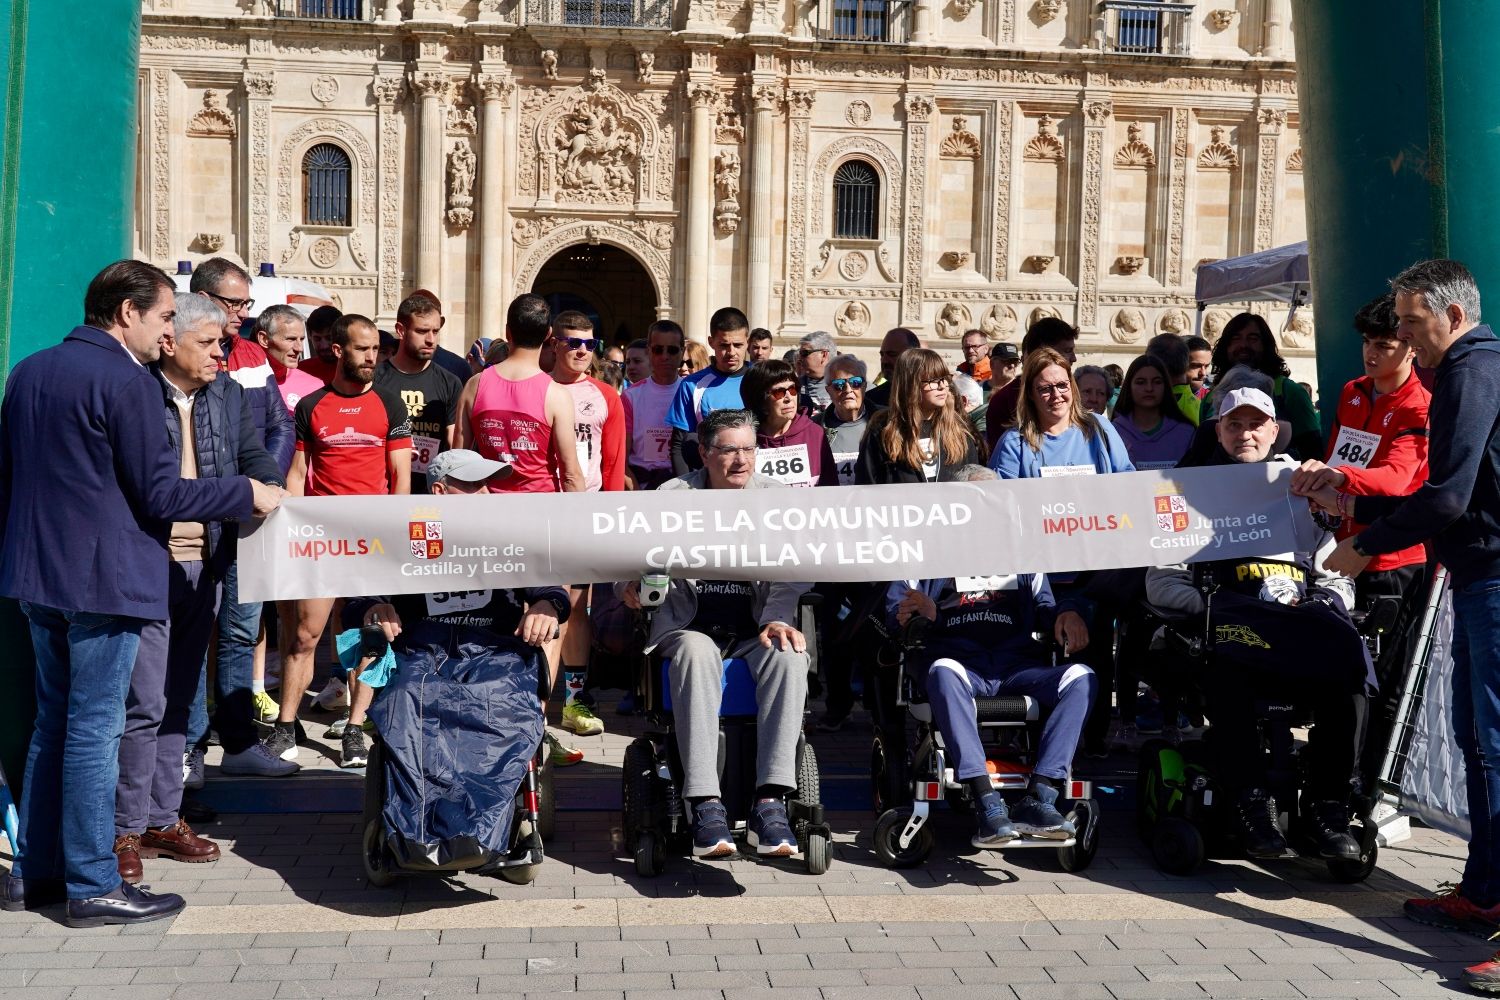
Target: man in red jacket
(1379, 448)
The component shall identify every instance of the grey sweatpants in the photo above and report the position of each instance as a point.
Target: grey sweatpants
(696, 676)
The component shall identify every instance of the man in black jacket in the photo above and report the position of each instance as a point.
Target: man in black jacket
(213, 433)
(1458, 509)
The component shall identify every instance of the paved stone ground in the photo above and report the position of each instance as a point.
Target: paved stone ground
(287, 913)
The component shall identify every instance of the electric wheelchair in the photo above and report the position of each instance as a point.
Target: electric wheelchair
(656, 820)
(1181, 811)
(908, 779)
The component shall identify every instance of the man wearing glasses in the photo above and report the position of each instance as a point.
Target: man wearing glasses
(599, 436)
(646, 405)
(813, 354)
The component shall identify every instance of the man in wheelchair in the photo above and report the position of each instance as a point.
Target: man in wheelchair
(702, 623)
(1279, 629)
(981, 642)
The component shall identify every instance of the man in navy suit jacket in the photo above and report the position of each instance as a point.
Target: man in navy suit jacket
(89, 488)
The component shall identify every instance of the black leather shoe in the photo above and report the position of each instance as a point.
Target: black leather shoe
(128, 904)
(30, 894)
(1258, 830)
(1327, 825)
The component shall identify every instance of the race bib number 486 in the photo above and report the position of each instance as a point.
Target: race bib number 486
(788, 464)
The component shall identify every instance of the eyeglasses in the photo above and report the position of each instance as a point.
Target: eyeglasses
(938, 383)
(671, 349)
(803, 352)
(577, 343)
(1055, 389)
(748, 452)
(840, 384)
(233, 305)
(781, 391)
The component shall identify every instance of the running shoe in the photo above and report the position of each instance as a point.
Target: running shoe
(334, 696)
(769, 831)
(560, 755)
(995, 827)
(267, 710)
(580, 719)
(355, 753)
(1451, 910)
(711, 837)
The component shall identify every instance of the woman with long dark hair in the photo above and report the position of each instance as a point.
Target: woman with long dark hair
(1155, 431)
(922, 436)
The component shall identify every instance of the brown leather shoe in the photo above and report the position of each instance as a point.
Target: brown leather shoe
(178, 842)
(128, 857)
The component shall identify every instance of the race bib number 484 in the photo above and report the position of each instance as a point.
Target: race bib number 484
(1354, 448)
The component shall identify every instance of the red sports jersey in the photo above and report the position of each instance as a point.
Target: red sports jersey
(346, 438)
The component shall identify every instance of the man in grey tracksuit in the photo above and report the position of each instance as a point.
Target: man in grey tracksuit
(701, 624)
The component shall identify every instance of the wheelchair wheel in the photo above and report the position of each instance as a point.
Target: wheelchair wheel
(546, 802)
(1148, 787)
(520, 874)
(888, 774)
(888, 840)
(638, 788)
(817, 850)
(650, 853)
(1177, 846)
(1351, 872)
(377, 863)
(1086, 843)
(809, 781)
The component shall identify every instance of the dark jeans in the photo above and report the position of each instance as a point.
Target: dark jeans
(83, 665)
(168, 666)
(1476, 730)
(234, 704)
(1410, 583)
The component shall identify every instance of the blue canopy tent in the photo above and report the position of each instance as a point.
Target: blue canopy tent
(1276, 275)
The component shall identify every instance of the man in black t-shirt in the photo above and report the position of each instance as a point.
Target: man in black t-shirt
(429, 391)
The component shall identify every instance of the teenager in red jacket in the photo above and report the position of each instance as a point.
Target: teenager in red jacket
(1378, 447)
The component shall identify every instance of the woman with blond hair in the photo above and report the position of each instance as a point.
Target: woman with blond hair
(923, 436)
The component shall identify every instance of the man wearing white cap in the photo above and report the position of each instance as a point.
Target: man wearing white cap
(1289, 600)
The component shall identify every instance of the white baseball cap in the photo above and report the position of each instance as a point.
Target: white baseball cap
(466, 466)
(1254, 398)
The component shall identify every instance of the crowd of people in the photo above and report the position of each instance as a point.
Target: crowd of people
(173, 417)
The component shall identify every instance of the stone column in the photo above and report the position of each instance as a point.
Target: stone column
(387, 91)
(260, 91)
(758, 234)
(1278, 23)
(1096, 114)
(700, 209)
(496, 90)
(919, 111)
(432, 86)
(1272, 122)
(1177, 173)
(799, 105)
(921, 22)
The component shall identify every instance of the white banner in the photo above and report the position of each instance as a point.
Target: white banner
(348, 546)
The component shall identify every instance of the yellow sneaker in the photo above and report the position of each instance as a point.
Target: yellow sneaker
(266, 709)
(562, 756)
(579, 718)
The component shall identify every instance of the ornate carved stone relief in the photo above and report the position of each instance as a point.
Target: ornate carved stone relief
(461, 164)
(1048, 10)
(209, 242)
(857, 114)
(1177, 195)
(1175, 321)
(1299, 332)
(727, 188)
(729, 123)
(960, 144)
(853, 265)
(998, 322)
(215, 119)
(1045, 145)
(261, 84)
(1214, 322)
(852, 319)
(627, 234)
(1221, 20)
(794, 300)
(1000, 219)
(1040, 313)
(1127, 326)
(549, 64)
(593, 144)
(161, 162)
(963, 8)
(260, 88)
(1265, 190)
(1093, 201)
(645, 68)
(324, 252)
(325, 90)
(387, 91)
(919, 108)
(1294, 161)
(1135, 153)
(886, 160)
(953, 320)
(1218, 154)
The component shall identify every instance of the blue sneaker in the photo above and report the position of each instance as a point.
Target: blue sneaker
(769, 832)
(711, 837)
(995, 827)
(1036, 815)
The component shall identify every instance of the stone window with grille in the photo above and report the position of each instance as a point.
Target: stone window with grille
(326, 182)
(856, 201)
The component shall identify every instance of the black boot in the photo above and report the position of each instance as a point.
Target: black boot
(1256, 814)
(1327, 825)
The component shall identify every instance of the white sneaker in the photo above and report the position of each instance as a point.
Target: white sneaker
(334, 696)
(259, 762)
(192, 769)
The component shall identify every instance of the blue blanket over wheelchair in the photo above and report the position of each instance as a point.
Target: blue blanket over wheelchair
(458, 729)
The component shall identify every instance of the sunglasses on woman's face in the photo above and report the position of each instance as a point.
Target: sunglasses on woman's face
(577, 343)
(665, 349)
(853, 382)
(781, 391)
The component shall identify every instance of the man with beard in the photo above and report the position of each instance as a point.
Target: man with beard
(429, 392)
(1247, 340)
(353, 439)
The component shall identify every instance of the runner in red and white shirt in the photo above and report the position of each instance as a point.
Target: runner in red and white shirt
(599, 436)
(646, 403)
(353, 439)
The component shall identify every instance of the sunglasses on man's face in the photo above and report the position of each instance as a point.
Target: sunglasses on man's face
(805, 351)
(672, 349)
(577, 343)
(840, 384)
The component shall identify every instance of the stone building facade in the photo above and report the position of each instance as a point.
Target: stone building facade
(849, 165)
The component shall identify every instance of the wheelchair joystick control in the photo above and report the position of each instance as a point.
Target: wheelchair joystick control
(654, 587)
